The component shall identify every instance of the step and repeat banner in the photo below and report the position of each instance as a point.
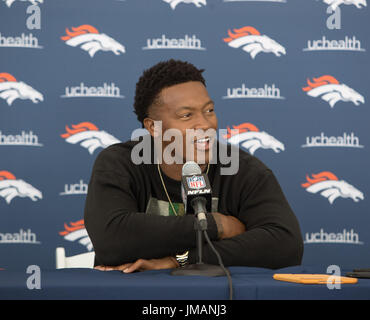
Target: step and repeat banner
(292, 75)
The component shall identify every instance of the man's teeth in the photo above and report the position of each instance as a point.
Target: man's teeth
(202, 140)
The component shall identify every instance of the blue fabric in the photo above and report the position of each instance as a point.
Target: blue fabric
(248, 283)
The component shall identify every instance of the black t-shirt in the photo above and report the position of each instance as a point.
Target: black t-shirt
(128, 215)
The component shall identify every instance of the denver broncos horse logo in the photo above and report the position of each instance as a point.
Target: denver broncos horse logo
(332, 91)
(11, 187)
(88, 136)
(174, 3)
(91, 40)
(77, 231)
(34, 2)
(329, 186)
(249, 137)
(11, 89)
(334, 4)
(253, 42)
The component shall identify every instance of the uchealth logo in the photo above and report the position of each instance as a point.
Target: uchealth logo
(25, 138)
(197, 3)
(22, 41)
(11, 89)
(251, 41)
(342, 237)
(22, 236)
(89, 39)
(251, 138)
(75, 189)
(329, 186)
(107, 90)
(334, 4)
(76, 231)
(88, 136)
(244, 92)
(11, 187)
(330, 90)
(187, 43)
(324, 44)
(35, 2)
(346, 140)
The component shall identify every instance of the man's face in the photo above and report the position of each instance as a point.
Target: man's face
(188, 106)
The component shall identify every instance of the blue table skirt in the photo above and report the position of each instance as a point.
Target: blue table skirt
(248, 284)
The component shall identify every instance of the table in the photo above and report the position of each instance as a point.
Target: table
(248, 283)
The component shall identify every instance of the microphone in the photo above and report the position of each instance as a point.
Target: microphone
(197, 196)
(196, 192)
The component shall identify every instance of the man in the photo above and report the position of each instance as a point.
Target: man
(134, 213)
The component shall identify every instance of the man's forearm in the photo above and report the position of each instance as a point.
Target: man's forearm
(267, 247)
(126, 237)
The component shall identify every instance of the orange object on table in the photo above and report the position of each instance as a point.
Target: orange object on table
(313, 278)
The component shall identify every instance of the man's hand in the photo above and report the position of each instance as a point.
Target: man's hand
(228, 226)
(142, 265)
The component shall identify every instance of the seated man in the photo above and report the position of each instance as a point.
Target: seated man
(134, 213)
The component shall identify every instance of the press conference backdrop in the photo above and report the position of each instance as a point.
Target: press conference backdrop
(293, 77)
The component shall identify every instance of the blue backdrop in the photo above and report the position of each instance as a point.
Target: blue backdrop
(297, 88)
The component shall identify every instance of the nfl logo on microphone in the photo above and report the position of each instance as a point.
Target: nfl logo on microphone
(196, 182)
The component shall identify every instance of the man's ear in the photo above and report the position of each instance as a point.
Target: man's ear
(153, 126)
(149, 125)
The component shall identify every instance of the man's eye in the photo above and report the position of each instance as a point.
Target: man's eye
(210, 110)
(187, 115)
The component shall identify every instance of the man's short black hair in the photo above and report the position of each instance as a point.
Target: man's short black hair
(162, 75)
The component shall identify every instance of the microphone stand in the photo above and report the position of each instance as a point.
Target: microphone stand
(199, 268)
